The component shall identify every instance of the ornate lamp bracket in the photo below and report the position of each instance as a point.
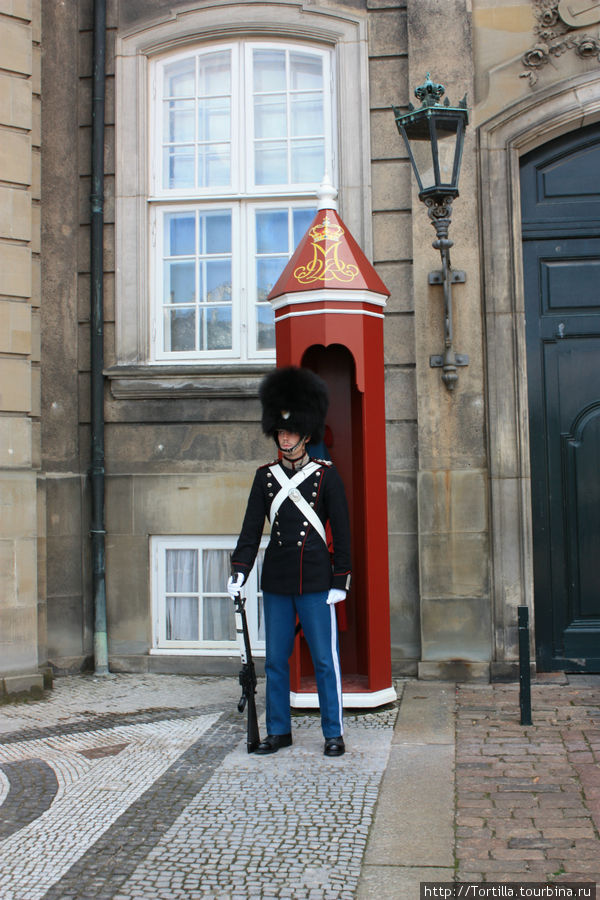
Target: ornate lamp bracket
(440, 213)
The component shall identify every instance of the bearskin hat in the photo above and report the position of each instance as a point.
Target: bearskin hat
(294, 399)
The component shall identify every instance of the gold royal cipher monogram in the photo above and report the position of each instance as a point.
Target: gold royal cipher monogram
(326, 262)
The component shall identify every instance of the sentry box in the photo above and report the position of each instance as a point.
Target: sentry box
(329, 309)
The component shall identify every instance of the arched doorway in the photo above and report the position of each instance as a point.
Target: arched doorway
(560, 209)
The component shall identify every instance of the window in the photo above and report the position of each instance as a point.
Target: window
(196, 133)
(192, 610)
(241, 139)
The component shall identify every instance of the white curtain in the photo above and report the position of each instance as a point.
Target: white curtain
(216, 613)
(218, 622)
(182, 612)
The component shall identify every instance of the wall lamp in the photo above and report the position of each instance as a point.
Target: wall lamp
(434, 136)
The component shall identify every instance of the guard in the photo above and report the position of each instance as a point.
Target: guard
(300, 575)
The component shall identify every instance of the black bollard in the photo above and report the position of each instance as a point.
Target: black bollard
(524, 671)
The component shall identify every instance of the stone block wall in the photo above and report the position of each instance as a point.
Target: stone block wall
(20, 89)
(455, 614)
(68, 634)
(392, 256)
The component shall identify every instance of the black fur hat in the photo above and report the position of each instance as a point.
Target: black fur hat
(296, 400)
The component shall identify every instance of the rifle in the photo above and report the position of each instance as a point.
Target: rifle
(247, 673)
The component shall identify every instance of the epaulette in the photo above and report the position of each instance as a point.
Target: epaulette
(324, 462)
(269, 464)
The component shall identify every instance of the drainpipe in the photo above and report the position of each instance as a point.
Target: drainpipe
(97, 531)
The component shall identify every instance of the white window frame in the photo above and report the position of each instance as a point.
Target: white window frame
(157, 214)
(159, 544)
(244, 299)
(242, 194)
(156, 75)
(342, 31)
(329, 89)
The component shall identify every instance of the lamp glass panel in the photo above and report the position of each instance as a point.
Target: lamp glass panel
(446, 131)
(423, 157)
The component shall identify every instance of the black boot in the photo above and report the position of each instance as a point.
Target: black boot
(274, 742)
(334, 746)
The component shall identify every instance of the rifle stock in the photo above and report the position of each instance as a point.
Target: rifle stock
(247, 674)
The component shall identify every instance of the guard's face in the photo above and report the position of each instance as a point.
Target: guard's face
(288, 439)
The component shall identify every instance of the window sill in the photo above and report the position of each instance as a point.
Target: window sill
(232, 381)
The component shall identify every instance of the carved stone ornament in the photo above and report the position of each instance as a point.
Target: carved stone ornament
(557, 21)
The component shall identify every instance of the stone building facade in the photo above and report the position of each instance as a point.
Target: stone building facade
(22, 622)
(466, 534)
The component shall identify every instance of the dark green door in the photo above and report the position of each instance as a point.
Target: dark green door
(560, 200)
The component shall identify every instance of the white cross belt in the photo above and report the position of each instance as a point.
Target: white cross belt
(289, 489)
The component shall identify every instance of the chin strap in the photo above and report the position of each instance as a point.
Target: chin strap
(286, 453)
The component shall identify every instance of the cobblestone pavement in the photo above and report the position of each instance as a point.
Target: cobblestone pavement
(528, 797)
(138, 787)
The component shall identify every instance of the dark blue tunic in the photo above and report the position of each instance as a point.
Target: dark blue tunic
(297, 560)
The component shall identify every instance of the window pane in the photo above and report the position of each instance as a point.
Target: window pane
(270, 119)
(214, 73)
(269, 70)
(272, 231)
(182, 619)
(214, 119)
(217, 232)
(178, 165)
(218, 622)
(180, 282)
(304, 94)
(270, 163)
(179, 78)
(302, 220)
(204, 116)
(308, 161)
(180, 330)
(182, 571)
(307, 115)
(306, 72)
(215, 570)
(179, 121)
(265, 327)
(268, 270)
(218, 328)
(180, 235)
(214, 165)
(218, 280)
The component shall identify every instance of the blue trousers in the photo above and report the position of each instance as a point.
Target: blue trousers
(319, 624)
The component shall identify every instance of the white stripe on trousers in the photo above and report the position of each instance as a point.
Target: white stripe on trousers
(336, 665)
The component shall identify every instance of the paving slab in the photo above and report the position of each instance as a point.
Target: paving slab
(414, 821)
(414, 824)
(426, 713)
(398, 883)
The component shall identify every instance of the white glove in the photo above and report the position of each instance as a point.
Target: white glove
(234, 584)
(335, 595)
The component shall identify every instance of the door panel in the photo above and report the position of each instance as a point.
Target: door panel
(561, 256)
